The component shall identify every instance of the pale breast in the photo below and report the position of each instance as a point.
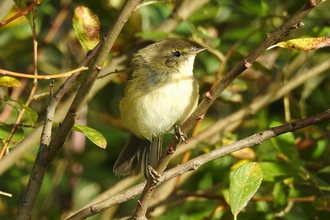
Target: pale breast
(159, 97)
(153, 114)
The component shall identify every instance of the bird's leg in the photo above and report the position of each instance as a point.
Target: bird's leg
(153, 154)
(179, 135)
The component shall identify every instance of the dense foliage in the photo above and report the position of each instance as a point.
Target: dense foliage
(296, 167)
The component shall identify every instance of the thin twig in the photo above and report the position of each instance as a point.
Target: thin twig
(6, 194)
(146, 3)
(20, 13)
(44, 77)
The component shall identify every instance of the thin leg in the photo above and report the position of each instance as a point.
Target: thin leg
(151, 159)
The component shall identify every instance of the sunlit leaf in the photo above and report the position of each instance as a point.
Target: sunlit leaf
(246, 153)
(5, 130)
(93, 135)
(8, 81)
(18, 106)
(87, 27)
(239, 164)
(305, 43)
(244, 183)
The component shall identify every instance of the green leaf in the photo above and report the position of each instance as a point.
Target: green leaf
(285, 144)
(325, 170)
(5, 130)
(8, 81)
(272, 170)
(93, 135)
(87, 27)
(243, 185)
(280, 194)
(18, 106)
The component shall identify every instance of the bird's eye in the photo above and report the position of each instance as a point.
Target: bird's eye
(177, 54)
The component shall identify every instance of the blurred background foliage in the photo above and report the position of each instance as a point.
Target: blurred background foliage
(291, 189)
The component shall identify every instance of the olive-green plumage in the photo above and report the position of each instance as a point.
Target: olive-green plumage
(161, 92)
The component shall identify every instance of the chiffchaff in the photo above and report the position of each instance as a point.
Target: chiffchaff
(161, 92)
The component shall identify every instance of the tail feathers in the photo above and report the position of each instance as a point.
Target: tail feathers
(150, 156)
(136, 155)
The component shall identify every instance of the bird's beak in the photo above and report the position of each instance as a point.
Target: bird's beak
(196, 50)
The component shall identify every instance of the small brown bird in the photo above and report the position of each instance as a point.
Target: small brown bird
(161, 92)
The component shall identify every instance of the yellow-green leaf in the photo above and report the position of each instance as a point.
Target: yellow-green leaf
(244, 183)
(305, 43)
(8, 81)
(18, 106)
(92, 134)
(5, 130)
(87, 27)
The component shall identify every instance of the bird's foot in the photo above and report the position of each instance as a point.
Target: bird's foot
(179, 135)
(154, 175)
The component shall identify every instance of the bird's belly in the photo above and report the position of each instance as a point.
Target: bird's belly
(155, 113)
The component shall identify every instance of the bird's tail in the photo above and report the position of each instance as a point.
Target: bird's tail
(136, 155)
